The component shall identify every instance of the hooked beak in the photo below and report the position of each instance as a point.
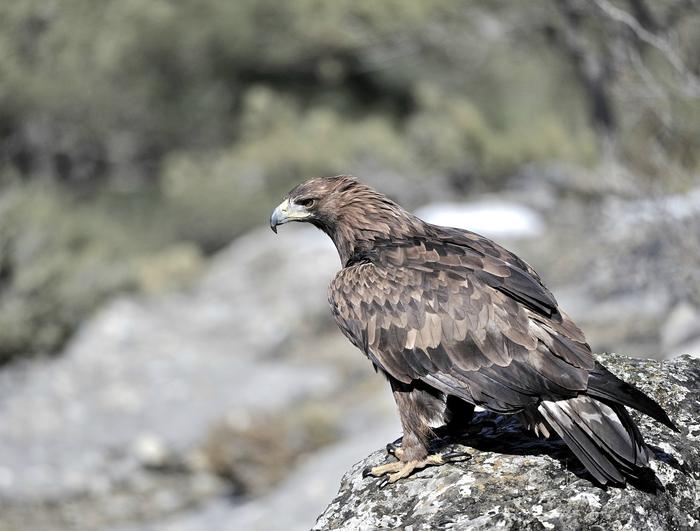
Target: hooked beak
(287, 212)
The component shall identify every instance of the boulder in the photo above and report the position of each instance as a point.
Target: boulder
(681, 331)
(517, 481)
(159, 397)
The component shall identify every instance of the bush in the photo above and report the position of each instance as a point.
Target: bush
(60, 259)
(168, 128)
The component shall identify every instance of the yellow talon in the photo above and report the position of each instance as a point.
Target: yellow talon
(398, 469)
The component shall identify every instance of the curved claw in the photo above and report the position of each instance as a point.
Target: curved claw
(383, 482)
(460, 455)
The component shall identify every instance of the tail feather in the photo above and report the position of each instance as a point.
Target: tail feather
(632, 432)
(605, 385)
(602, 436)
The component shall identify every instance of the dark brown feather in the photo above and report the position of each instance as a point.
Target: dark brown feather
(456, 327)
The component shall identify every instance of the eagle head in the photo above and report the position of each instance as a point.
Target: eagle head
(353, 214)
(317, 201)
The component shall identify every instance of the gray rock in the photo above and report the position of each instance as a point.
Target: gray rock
(293, 505)
(87, 439)
(681, 331)
(516, 481)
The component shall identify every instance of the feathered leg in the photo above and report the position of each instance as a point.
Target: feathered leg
(420, 409)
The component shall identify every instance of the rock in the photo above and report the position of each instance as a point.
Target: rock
(681, 331)
(116, 430)
(618, 266)
(629, 320)
(516, 481)
(630, 213)
(150, 451)
(292, 505)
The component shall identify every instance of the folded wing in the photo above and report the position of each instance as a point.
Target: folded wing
(468, 323)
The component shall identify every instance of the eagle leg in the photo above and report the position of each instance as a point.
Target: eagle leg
(392, 472)
(419, 407)
(457, 425)
(396, 451)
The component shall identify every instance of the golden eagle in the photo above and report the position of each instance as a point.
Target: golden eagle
(454, 320)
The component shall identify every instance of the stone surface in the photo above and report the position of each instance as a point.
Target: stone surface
(291, 506)
(681, 331)
(516, 481)
(118, 429)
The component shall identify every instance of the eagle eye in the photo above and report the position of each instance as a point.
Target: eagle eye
(306, 203)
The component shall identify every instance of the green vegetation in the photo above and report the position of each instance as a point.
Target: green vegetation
(60, 258)
(135, 135)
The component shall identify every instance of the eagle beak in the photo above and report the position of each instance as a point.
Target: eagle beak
(287, 212)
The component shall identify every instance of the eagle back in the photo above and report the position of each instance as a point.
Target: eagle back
(446, 313)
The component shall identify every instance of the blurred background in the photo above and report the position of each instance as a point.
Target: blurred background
(167, 362)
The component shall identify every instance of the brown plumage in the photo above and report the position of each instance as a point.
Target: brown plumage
(454, 320)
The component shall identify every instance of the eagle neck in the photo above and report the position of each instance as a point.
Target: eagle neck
(355, 237)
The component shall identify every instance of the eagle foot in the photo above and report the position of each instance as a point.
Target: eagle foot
(445, 443)
(392, 472)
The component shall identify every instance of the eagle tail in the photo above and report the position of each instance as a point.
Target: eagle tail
(604, 385)
(602, 436)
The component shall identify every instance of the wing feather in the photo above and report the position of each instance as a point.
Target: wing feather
(466, 321)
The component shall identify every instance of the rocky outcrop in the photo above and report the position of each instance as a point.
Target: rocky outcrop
(516, 481)
(184, 406)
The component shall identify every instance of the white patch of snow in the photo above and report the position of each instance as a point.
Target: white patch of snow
(490, 217)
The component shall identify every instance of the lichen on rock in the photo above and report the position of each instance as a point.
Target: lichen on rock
(516, 481)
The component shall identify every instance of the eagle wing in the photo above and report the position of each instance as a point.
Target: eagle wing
(469, 322)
